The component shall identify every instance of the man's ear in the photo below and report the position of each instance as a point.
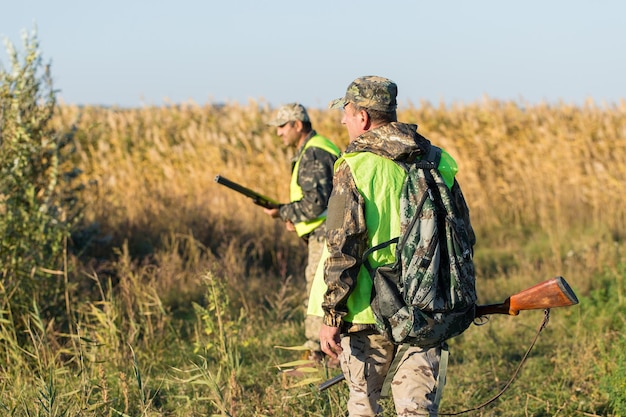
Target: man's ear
(366, 122)
(297, 124)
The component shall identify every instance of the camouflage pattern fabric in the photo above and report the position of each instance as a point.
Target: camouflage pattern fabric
(414, 385)
(370, 92)
(346, 230)
(315, 177)
(346, 226)
(315, 173)
(312, 324)
(367, 355)
(428, 295)
(289, 113)
(366, 358)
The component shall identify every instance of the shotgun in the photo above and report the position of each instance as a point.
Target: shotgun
(257, 198)
(554, 292)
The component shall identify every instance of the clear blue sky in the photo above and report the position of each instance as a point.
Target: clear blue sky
(140, 52)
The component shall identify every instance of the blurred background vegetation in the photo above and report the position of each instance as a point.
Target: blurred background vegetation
(132, 284)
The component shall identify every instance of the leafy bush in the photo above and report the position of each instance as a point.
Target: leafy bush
(38, 203)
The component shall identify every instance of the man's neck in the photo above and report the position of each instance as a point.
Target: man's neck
(305, 137)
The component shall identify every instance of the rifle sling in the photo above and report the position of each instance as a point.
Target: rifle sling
(544, 323)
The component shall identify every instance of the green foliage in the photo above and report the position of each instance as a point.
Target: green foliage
(38, 205)
(218, 340)
(615, 381)
(609, 299)
(218, 330)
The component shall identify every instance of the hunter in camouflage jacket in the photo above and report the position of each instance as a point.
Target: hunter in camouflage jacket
(347, 235)
(315, 175)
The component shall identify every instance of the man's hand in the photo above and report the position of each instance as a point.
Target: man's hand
(330, 340)
(273, 212)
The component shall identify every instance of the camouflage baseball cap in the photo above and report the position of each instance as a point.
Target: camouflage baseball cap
(288, 113)
(370, 92)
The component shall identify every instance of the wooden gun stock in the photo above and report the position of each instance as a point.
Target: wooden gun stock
(554, 292)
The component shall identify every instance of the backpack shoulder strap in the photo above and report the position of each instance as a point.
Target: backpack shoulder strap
(367, 253)
(397, 358)
(431, 159)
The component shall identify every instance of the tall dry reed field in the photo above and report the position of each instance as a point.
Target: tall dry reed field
(179, 289)
(545, 179)
(150, 175)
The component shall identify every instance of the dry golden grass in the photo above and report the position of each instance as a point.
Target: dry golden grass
(543, 179)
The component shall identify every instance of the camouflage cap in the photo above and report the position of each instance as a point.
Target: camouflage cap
(288, 113)
(370, 92)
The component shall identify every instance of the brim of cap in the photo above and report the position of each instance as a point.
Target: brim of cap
(277, 122)
(338, 103)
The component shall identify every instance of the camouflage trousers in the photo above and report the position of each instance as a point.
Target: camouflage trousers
(365, 360)
(313, 324)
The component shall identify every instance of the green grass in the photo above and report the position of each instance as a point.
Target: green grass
(224, 360)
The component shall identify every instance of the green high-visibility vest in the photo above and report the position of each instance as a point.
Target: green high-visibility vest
(385, 197)
(296, 194)
(379, 180)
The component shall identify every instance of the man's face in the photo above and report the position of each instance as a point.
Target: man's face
(353, 121)
(290, 133)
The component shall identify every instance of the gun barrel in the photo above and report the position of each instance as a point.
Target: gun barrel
(329, 383)
(256, 197)
(234, 186)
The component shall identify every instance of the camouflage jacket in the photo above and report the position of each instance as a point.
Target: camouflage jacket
(347, 236)
(315, 177)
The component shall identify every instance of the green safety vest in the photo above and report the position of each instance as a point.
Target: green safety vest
(385, 197)
(296, 194)
(390, 177)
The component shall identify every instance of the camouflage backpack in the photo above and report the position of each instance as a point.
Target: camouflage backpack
(428, 294)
